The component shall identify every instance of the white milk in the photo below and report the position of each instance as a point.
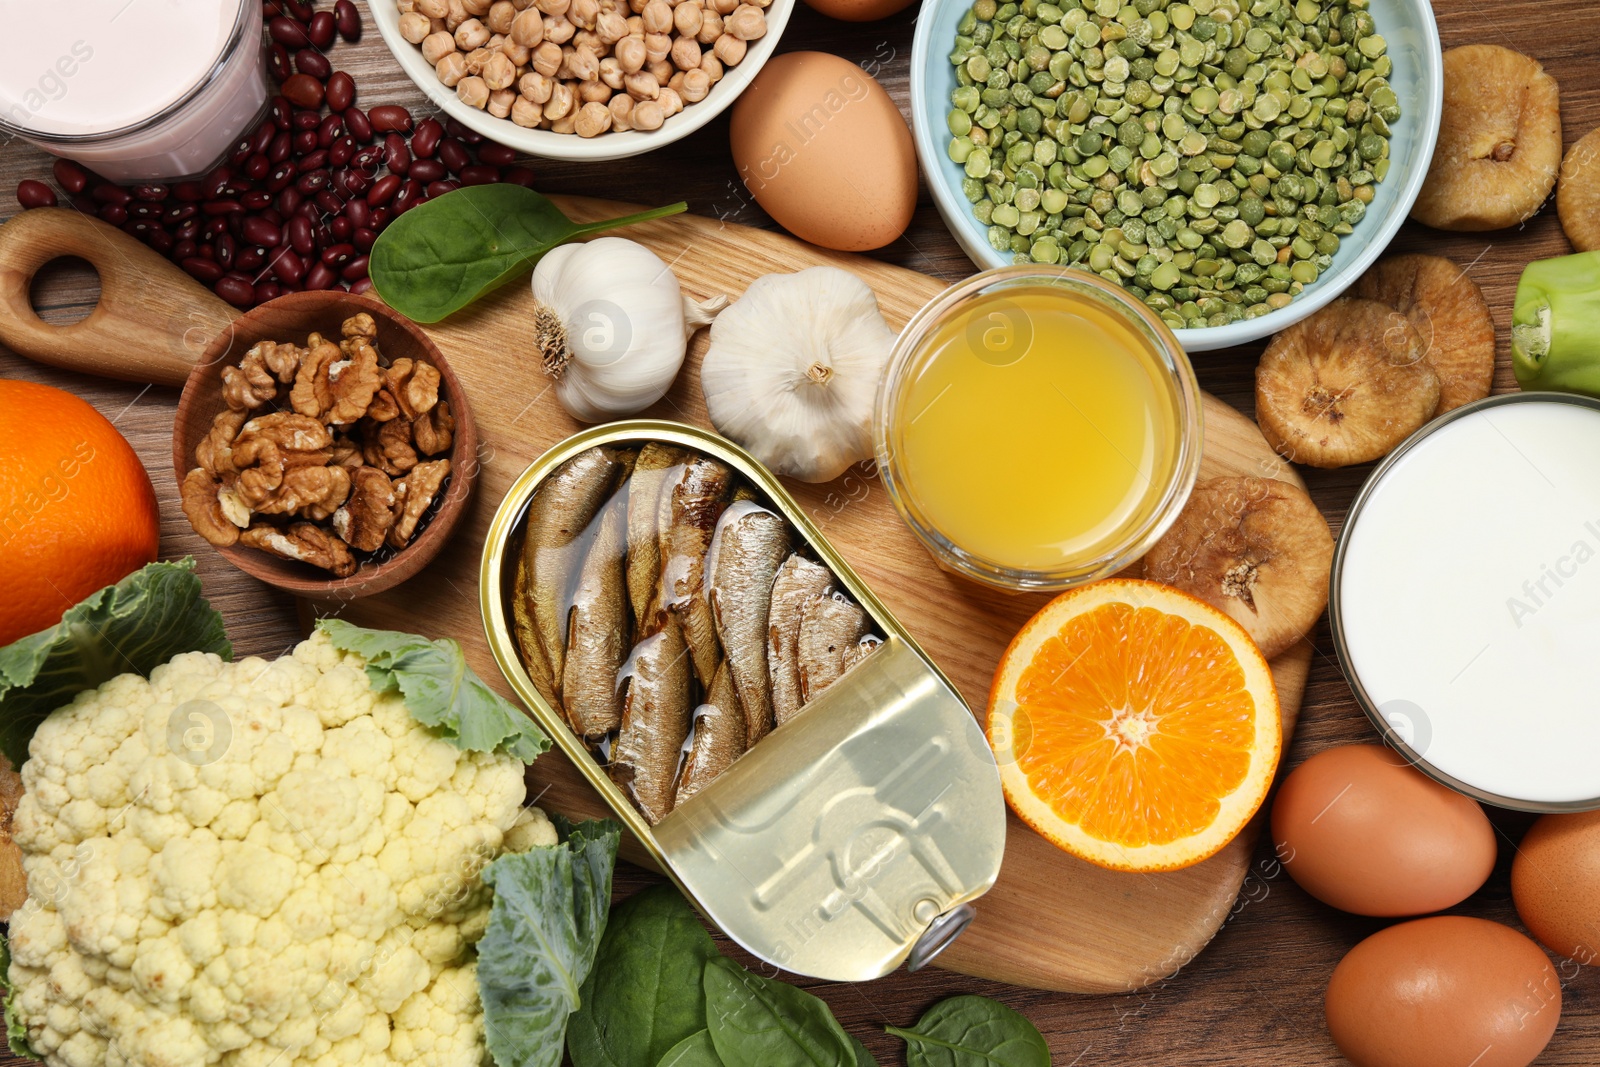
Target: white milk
(72, 72)
(1470, 600)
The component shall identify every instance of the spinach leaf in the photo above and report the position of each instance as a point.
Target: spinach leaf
(973, 1032)
(757, 1022)
(153, 614)
(863, 1057)
(544, 928)
(440, 690)
(437, 258)
(645, 994)
(696, 1050)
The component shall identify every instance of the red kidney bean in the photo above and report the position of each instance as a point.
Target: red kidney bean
(184, 249)
(311, 181)
(188, 230)
(115, 214)
(426, 140)
(304, 142)
(359, 212)
(288, 265)
(249, 259)
(348, 19)
(390, 118)
(289, 200)
(301, 10)
(361, 286)
(355, 269)
(453, 154)
(381, 217)
(278, 60)
(317, 160)
(288, 32)
(307, 120)
(358, 125)
(265, 291)
(341, 92)
(310, 61)
(282, 112)
(340, 152)
(281, 178)
(338, 255)
(441, 187)
(280, 148)
(269, 8)
(215, 226)
(241, 152)
(311, 211)
(409, 196)
(396, 156)
(340, 185)
(143, 209)
(111, 194)
(339, 228)
(150, 193)
(162, 241)
(206, 252)
(364, 239)
(203, 269)
(32, 194)
(188, 192)
(384, 190)
(273, 217)
(217, 208)
(480, 175)
(331, 130)
(320, 276)
(256, 200)
(497, 154)
(72, 178)
(368, 158)
(321, 29)
(227, 250)
(329, 202)
(179, 212)
(258, 231)
(522, 176)
(257, 167)
(235, 290)
(426, 170)
(303, 91)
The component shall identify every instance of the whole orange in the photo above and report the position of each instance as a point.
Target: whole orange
(77, 512)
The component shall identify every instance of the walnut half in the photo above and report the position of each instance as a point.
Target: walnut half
(304, 542)
(203, 509)
(366, 517)
(416, 491)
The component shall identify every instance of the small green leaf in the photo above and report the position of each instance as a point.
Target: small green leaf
(973, 1032)
(757, 1022)
(863, 1057)
(440, 690)
(16, 1032)
(437, 258)
(645, 993)
(152, 615)
(545, 925)
(696, 1050)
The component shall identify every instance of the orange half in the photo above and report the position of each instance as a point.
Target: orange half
(1135, 726)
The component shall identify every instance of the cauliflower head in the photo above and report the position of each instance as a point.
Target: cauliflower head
(256, 863)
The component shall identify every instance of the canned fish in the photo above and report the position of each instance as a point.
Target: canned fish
(747, 707)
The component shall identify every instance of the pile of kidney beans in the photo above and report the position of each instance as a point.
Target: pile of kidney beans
(299, 202)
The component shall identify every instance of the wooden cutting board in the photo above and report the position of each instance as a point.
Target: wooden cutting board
(1052, 921)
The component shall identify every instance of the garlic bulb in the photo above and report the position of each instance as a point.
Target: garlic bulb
(612, 326)
(793, 371)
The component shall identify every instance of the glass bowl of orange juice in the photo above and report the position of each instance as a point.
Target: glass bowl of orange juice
(1037, 428)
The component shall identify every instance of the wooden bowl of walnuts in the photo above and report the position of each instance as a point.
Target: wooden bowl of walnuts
(324, 446)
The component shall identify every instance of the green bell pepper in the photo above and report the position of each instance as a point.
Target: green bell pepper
(1555, 327)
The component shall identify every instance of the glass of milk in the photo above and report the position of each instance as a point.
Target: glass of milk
(1465, 600)
(137, 90)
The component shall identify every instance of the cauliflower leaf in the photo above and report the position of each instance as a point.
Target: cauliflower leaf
(138, 624)
(440, 690)
(550, 908)
(16, 1032)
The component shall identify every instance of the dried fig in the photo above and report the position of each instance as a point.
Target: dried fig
(1255, 548)
(1499, 141)
(1449, 313)
(1345, 385)
(1578, 194)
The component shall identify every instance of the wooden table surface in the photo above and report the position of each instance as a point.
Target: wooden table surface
(1255, 995)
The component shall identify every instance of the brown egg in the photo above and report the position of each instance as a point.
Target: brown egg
(1443, 992)
(1555, 882)
(859, 10)
(1361, 829)
(825, 151)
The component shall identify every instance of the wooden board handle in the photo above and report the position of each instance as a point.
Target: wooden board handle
(152, 323)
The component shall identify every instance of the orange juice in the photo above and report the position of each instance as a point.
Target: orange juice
(1038, 428)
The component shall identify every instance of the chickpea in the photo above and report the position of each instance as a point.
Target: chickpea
(588, 39)
(499, 72)
(660, 70)
(636, 6)
(547, 59)
(477, 8)
(642, 85)
(611, 28)
(710, 27)
(746, 23)
(657, 17)
(685, 53)
(636, 26)
(647, 115)
(567, 123)
(552, 7)
(501, 15)
(475, 60)
(696, 84)
(687, 18)
(528, 28)
(472, 91)
(561, 102)
(722, 7)
(517, 53)
(675, 83)
(712, 66)
(471, 34)
(591, 92)
(630, 54)
(526, 113)
(434, 9)
(621, 107)
(456, 15)
(415, 27)
(521, 5)
(535, 87)
(584, 12)
(671, 103)
(436, 46)
(405, 7)
(657, 46)
(501, 101)
(439, 26)
(559, 29)
(451, 69)
(729, 49)
(583, 65)
(611, 72)
(594, 118)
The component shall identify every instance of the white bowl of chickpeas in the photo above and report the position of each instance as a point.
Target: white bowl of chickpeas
(584, 80)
